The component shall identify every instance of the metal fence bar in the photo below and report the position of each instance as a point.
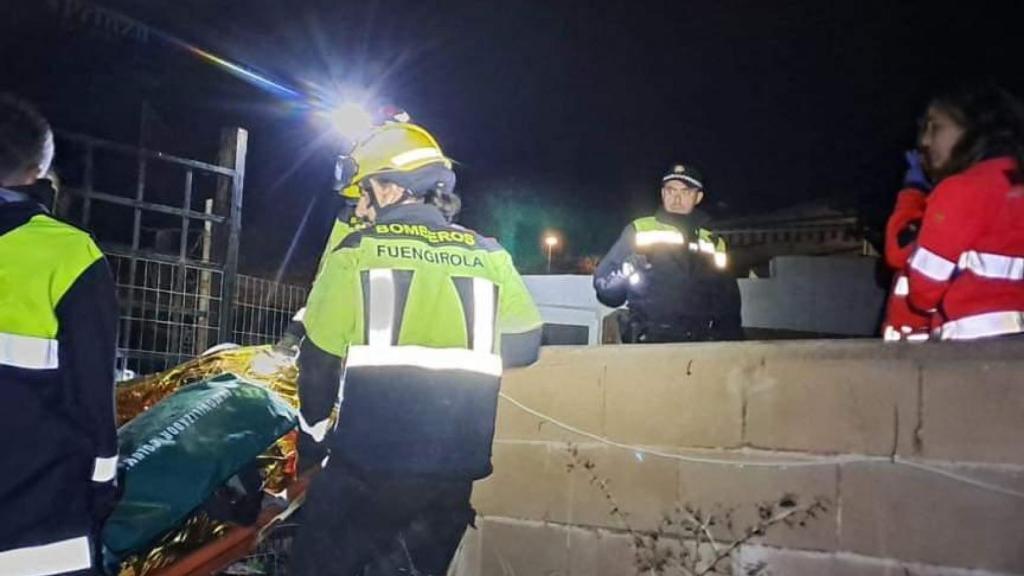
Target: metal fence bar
(227, 312)
(174, 307)
(137, 204)
(144, 153)
(187, 208)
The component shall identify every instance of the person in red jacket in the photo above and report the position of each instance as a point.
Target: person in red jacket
(902, 322)
(967, 270)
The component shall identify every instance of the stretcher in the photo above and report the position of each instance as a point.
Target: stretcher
(203, 542)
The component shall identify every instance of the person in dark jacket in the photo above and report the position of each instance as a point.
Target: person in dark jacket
(58, 323)
(672, 271)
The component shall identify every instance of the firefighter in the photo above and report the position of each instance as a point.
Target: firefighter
(345, 223)
(58, 322)
(672, 271)
(967, 270)
(409, 324)
(902, 322)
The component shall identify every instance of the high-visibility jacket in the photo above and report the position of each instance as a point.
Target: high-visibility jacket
(345, 224)
(686, 272)
(58, 323)
(968, 268)
(425, 315)
(902, 322)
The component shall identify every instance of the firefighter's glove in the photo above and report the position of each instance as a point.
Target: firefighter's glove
(915, 176)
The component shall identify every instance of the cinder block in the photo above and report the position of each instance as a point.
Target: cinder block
(765, 561)
(893, 511)
(973, 412)
(530, 481)
(830, 405)
(638, 490)
(677, 395)
(616, 555)
(567, 386)
(514, 548)
(762, 561)
(467, 558)
(717, 489)
(584, 551)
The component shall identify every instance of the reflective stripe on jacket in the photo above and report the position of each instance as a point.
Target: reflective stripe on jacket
(969, 263)
(425, 314)
(58, 321)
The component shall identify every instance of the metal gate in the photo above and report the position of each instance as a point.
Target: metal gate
(170, 227)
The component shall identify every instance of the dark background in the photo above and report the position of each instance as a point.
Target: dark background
(561, 115)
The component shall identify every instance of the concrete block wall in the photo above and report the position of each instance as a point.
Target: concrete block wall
(917, 450)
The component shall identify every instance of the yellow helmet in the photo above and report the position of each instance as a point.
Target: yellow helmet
(395, 149)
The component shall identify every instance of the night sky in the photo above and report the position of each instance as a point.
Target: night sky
(560, 114)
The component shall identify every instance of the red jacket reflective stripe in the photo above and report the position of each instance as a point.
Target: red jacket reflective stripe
(900, 319)
(974, 216)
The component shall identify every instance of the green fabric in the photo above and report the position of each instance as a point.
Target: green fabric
(433, 314)
(39, 262)
(177, 453)
(339, 232)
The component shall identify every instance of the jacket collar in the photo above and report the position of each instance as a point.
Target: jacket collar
(416, 213)
(8, 196)
(16, 209)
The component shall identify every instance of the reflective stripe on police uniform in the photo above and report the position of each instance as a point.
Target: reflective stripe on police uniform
(647, 238)
(649, 232)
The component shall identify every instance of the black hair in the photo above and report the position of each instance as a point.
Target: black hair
(992, 120)
(447, 201)
(24, 136)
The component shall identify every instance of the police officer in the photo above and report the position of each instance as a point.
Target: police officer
(672, 271)
(410, 324)
(58, 320)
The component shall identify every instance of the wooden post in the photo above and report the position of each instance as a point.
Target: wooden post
(228, 201)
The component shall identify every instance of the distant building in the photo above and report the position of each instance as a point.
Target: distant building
(803, 230)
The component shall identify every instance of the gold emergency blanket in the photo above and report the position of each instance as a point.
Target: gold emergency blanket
(277, 465)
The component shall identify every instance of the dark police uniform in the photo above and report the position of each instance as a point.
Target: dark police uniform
(672, 272)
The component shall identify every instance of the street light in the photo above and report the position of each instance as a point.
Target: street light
(550, 240)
